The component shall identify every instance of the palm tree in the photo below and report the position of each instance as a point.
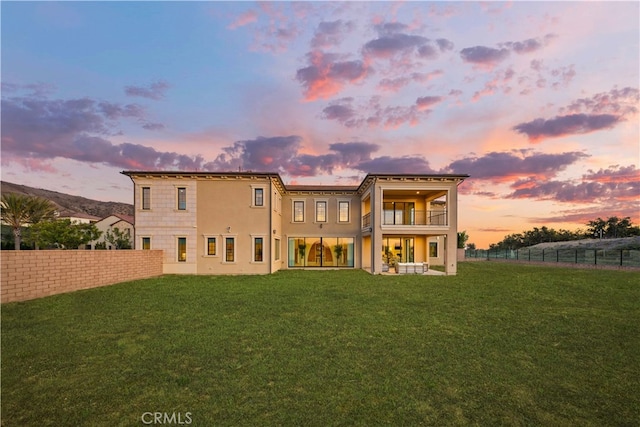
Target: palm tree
(19, 210)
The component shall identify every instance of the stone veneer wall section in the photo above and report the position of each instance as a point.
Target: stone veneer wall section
(34, 274)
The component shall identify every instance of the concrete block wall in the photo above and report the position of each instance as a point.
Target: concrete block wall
(28, 275)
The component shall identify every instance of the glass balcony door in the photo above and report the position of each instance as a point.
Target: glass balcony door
(399, 213)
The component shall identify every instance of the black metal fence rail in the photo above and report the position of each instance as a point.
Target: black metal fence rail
(613, 257)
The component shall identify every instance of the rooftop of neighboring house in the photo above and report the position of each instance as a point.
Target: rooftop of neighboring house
(83, 217)
(127, 218)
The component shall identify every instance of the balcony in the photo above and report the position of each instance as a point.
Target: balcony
(413, 217)
(409, 218)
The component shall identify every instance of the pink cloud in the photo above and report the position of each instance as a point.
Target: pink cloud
(245, 18)
(327, 74)
(425, 102)
(30, 164)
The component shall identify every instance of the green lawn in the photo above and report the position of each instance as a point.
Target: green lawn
(498, 344)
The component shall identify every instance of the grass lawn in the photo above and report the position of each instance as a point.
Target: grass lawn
(496, 344)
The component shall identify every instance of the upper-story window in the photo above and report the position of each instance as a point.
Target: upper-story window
(298, 211)
(343, 211)
(321, 211)
(146, 198)
(258, 196)
(182, 198)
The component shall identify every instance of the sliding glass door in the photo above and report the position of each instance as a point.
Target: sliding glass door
(399, 213)
(399, 248)
(321, 252)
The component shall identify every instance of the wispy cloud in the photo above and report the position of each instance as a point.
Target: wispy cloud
(483, 55)
(615, 183)
(373, 114)
(529, 45)
(489, 57)
(508, 166)
(330, 34)
(155, 90)
(280, 31)
(601, 111)
(33, 89)
(245, 18)
(539, 129)
(400, 48)
(397, 83)
(617, 101)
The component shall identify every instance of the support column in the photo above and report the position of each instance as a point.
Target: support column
(376, 230)
(451, 239)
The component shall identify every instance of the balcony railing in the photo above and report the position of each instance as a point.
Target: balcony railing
(411, 217)
(366, 220)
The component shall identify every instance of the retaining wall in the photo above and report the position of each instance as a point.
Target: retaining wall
(34, 274)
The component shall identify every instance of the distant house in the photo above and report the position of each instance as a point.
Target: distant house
(252, 223)
(121, 222)
(77, 217)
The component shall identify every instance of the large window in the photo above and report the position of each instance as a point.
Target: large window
(182, 249)
(321, 211)
(146, 198)
(258, 248)
(343, 211)
(229, 249)
(182, 198)
(321, 252)
(298, 211)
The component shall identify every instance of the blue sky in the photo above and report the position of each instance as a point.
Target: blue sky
(537, 101)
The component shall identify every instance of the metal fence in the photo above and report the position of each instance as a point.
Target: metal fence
(613, 257)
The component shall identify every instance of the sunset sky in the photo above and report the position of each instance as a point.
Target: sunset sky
(537, 101)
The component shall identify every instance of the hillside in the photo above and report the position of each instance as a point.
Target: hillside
(612, 244)
(69, 205)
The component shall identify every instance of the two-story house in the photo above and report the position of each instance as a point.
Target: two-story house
(252, 223)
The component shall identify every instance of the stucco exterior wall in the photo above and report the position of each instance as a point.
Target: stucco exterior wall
(34, 274)
(227, 210)
(278, 243)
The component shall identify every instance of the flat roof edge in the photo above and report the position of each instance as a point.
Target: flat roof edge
(329, 187)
